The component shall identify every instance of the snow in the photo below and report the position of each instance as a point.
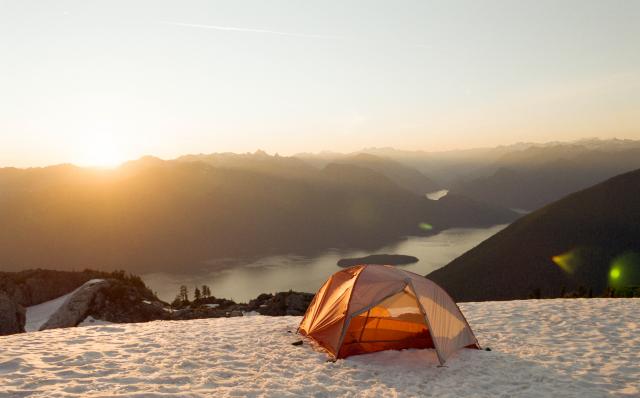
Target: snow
(437, 195)
(90, 321)
(38, 314)
(540, 348)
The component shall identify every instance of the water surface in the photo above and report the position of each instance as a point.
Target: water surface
(244, 279)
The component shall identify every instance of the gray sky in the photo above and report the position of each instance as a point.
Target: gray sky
(97, 82)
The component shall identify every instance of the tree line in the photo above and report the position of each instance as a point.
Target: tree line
(182, 298)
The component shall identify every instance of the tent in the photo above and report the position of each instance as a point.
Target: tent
(369, 308)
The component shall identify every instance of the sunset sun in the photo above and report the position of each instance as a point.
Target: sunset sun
(101, 152)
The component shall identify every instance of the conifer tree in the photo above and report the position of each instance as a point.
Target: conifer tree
(184, 294)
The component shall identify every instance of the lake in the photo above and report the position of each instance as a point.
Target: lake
(244, 279)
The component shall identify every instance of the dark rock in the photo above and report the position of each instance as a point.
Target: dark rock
(12, 316)
(299, 342)
(123, 302)
(297, 303)
(283, 303)
(221, 303)
(381, 259)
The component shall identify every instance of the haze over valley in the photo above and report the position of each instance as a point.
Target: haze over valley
(191, 218)
(155, 215)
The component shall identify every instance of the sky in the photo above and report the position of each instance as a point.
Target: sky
(99, 82)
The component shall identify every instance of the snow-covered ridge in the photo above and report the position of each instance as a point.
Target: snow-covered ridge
(540, 348)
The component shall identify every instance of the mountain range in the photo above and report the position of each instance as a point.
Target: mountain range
(523, 176)
(157, 215)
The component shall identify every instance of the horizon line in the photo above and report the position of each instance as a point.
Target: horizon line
(324, 151)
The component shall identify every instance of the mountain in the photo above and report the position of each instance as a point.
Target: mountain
(542, 172)
(536, 176)
(258, 162)
(156, 215)
(588, 239)
(404, 176)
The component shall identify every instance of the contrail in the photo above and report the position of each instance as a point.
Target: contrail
(279, 33)
(236, 29)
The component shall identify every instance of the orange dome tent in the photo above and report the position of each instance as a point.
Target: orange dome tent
(369, 308)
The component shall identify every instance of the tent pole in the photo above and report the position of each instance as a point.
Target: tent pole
(347, 320)
(364, 326)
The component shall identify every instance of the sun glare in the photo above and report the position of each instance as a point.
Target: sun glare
(102, 153)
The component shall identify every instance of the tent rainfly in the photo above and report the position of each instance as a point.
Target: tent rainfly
(369, 308)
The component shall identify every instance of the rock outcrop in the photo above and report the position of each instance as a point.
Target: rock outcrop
(117, 302)
(122, 302)
(110, 300)
(120, 298)
(283, 303)
(279, 304)
(12, 316)
(77, 307)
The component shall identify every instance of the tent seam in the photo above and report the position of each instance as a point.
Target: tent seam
(343, 331)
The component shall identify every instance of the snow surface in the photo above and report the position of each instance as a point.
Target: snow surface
(540, 348)
(437, 195)
(38, 314)
(91, 321)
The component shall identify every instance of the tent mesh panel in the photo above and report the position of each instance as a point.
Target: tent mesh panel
(395, 323)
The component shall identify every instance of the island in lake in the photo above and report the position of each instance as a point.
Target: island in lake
(382, 259)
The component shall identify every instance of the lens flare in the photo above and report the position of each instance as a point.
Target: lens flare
(568, 261)
(615, 273)
(624, 270)
(425, 226)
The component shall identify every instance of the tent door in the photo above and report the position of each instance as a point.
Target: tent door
(396, 322)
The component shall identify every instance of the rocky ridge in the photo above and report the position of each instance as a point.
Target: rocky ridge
(121, 298)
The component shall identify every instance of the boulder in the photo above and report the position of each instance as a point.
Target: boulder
(110, 300)
(123, 302)
(77, 307)
(12, 316)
